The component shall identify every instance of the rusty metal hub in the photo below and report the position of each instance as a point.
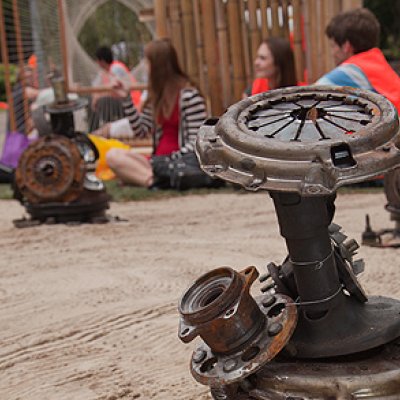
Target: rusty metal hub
(240, 333)
(300, 144)
(51, 169)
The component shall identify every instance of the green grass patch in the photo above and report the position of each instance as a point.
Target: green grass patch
(132, 193)
(6, 193)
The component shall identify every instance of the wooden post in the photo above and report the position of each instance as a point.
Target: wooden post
(349, 4)
(160, 13)
(247, 57)
(223, 47)
(276, 30)
(298, 40)
(21, 63)
(264, 19)
(176, 30)
(189, 40)
(255, 38)
(199, 44)
(285, 15)
(239, 81)
(6, 63)
(210, 47)
(63, 44)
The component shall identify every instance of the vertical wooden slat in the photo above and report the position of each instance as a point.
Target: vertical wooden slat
(255, 38)
(210, 49)
(176, 30)
(276, 30)
(298, 40)
(199, 44)
(223, 46)
(264, 19)
(6, 63)
(21, 63)
(350, 4)
(160, 12)
(285, 14)
(239, 81)
(189, 40)
(247, 58)
(61, 17)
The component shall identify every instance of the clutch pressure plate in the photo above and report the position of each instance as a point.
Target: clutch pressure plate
(309, 140)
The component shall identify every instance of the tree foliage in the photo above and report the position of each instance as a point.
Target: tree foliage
(112, 23)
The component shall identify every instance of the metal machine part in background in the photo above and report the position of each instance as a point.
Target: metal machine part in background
(300, 144)
(387, 237)
(55, 178)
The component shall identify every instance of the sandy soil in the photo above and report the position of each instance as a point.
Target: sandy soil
(90, 312)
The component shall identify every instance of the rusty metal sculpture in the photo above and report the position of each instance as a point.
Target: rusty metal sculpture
(314, 328)
(55, 178)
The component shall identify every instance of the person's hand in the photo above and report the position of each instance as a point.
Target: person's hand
(119, 90)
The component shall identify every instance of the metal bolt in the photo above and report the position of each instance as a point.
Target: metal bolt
(274, 329)
(199, 356)
(268, 301)
(230, 365)
(268, 287)
(264, 277)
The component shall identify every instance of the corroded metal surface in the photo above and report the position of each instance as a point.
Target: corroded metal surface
(311, 140)
(50, 169)
(240, 333)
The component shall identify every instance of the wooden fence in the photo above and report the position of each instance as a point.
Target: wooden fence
(217, 40)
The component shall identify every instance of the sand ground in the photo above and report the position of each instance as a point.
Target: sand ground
(89, 312)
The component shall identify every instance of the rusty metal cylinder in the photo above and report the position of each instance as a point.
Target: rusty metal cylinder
(219, 308)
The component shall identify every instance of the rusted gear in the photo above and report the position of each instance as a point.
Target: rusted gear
(50, 170)
(240, 333)
(309, 140)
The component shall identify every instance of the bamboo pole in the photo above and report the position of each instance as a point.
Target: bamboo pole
(160, 13)
(239, 81)
(189, 40)
(176, 30)
(210, 48)
(264, 19)
(63, 44)
(199, 44)
(276, 30)
(298, 40)
(285, 17)
(21, 63)
(223, 46)
(248, 61)
(255, 38)
(6, 63)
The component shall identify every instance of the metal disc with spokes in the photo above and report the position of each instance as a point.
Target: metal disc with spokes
(309, 140)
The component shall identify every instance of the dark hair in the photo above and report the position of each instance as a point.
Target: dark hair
(283, 60)
(104, 53)
(166, 78)
(359, 26)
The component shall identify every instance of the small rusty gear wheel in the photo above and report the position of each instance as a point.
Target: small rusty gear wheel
(50, 170)
(309, 140)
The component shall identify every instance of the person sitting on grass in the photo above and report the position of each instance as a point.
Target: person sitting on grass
(173, 114)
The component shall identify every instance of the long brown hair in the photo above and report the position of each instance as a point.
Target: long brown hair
(283, 60)
(166, 77)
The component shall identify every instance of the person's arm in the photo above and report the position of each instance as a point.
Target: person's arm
(193, 113)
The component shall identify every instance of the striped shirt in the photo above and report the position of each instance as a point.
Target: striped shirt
(346, 75)
(192, 111)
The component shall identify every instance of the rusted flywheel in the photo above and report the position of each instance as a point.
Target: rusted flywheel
(51, 170)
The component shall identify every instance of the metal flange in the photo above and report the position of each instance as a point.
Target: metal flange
(309, 140)
(240, 334)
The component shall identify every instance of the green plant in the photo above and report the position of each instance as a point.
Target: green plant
(12, 77)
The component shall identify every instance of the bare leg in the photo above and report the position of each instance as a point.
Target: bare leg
(130, 167)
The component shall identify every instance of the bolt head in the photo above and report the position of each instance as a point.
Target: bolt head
(274, 329)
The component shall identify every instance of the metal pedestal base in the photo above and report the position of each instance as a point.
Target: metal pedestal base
(89, 207)
(374, 375)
